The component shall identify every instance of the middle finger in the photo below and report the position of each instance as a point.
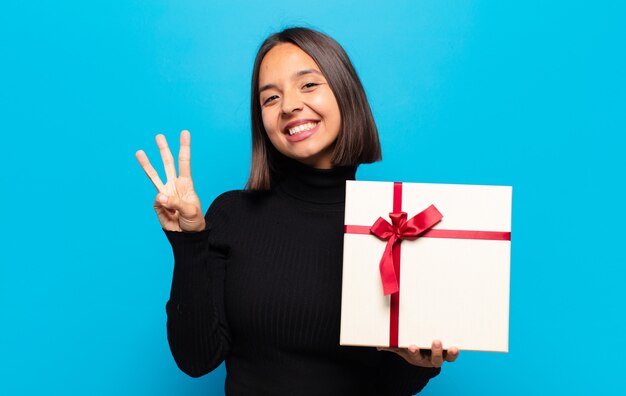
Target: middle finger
(437, 354)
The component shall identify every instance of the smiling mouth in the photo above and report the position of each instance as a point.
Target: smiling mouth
(302, 128)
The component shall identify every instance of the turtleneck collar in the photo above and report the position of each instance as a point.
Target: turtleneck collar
(325, 186)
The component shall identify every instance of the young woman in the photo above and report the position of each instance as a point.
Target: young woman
(257, 281)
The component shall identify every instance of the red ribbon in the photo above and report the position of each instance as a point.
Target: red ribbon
(393, 233)
(400, 228)
(452, 234)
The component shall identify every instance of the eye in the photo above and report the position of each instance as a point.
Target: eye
(310, 85)
(270, 99)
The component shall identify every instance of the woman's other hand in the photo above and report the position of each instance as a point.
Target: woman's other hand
(177, 206)
(425, 357)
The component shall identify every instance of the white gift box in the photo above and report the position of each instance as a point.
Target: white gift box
(453, 278)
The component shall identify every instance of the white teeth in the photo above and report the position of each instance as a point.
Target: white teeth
(302, 128)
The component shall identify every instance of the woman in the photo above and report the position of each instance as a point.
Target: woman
(257, 281)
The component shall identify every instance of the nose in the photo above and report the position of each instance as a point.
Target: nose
(291, 102)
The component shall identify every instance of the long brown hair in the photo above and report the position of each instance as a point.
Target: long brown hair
(357, 142)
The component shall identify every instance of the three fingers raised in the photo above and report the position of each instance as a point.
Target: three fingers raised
(177, 205)
(184, 160)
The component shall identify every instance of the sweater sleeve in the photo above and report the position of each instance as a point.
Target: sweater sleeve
(197, 331)
(404, 378)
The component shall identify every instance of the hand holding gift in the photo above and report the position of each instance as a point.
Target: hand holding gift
(424, 357)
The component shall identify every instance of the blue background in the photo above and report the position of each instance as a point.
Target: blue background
(528, 93)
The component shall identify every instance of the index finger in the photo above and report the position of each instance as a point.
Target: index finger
(184, 154)
(152, 174)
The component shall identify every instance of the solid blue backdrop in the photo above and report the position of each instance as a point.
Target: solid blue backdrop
(530, 94)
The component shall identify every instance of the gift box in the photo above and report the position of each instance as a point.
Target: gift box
(424, 262)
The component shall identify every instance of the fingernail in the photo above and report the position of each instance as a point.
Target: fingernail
(437, 344)
(163, 198)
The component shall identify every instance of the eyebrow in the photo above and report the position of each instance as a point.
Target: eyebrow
(296, 74)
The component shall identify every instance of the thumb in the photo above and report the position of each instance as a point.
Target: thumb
(185, 209)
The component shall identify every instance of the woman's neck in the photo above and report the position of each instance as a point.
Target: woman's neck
(309, 184)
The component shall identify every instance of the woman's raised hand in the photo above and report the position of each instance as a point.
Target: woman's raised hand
(177, 206)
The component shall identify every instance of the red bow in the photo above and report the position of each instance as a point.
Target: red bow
(400, 229)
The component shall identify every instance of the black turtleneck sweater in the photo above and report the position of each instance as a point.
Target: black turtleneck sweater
(260, 288)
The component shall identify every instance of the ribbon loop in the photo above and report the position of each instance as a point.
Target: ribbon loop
(393, 233)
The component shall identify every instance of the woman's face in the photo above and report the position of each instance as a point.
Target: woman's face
(300, 113)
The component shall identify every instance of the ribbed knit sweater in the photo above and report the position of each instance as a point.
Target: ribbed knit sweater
(260, 289)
